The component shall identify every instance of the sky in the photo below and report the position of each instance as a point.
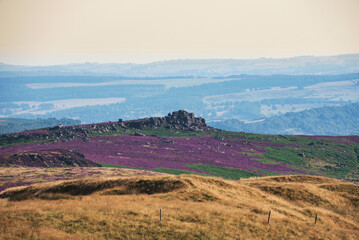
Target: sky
(48, 32)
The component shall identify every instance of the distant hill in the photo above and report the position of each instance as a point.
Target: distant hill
(335, 120)
(316, 65)
(180, 143)
(12, 125)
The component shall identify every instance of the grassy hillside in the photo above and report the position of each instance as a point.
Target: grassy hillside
(193, 207)
(23, 176)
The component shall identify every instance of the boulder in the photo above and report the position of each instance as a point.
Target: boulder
(179, 120)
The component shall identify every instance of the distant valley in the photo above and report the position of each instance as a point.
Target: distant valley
(94, 93)
(334, 120)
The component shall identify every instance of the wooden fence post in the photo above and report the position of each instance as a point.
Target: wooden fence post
(160, 215)
(316, 218)
(269, 216)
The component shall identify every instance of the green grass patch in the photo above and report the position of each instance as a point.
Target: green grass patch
(332, 160)
(109, 133)
(281, 139)
(265, 160)
(294, 173)
(177, 172)
(251, 154)
(229, 173)
(266, 172)
(288, 155)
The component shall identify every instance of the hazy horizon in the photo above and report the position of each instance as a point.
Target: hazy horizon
(41, 32)
(178, 59)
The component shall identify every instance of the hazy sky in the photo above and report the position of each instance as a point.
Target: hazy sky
(62, 31)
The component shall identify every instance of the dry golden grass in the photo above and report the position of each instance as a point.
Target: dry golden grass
(193, 207)
(20, 176)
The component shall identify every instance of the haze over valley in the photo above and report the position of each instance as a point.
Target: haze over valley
(217, 90)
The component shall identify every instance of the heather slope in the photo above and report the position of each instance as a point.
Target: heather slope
(193, 207)
(181, 143)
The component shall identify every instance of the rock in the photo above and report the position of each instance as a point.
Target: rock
(48, 158)
(139, 134)
(226, 144)
(179, 120)
(165, 140)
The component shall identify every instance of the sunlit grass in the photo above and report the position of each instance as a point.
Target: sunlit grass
(202, 208)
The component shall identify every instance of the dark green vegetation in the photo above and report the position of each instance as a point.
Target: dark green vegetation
(338, 120)
(177, 172)
(335, 160)
(229, 173)
(11, 125)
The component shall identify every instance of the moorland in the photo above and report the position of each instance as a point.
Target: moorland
(117, 180)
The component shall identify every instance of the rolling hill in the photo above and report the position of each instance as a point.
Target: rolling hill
(182, 207)
(334, 120)
(181, 143)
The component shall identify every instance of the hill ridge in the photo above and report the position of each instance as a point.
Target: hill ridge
(183, 207)
(177, 120)
(181, 143)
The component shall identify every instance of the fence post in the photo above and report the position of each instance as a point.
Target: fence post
(316, 218)
(269, 216)
(160, 215)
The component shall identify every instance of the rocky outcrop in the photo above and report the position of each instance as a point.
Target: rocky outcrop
(48, 158)
(180, 120)
(60, 133)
